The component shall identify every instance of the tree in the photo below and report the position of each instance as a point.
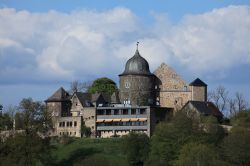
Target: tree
(33, 115)
(28, 146)
(25, 149)
(76, 86)
(212, 132)
(240, 101)
(136, 146)
(220, 98)
(236, 146)
(169, 137)
(242, 119)
(195, 154)
(5, 122)
(85, 131)
(103, 85)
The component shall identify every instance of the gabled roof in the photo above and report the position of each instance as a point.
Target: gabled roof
(95, 97)
(59, 95)
(197, 82)
(84, 98)
(206, 108)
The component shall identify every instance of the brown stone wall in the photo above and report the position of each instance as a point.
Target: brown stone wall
(138, 89)
(174, 99)
(54, 108)
(89, 117)
(174, 92)
(199, 93)
(169, 79)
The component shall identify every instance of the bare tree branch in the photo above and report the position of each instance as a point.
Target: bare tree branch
(240, 101)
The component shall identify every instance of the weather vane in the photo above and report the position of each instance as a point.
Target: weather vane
(137, 45)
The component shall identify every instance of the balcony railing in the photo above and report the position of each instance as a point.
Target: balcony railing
(122, 127)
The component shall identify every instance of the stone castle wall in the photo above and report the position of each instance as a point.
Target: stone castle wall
(89, 117)
(70, 126)
(174, 92)
(54, 108)
(138, 89)
(199, 93)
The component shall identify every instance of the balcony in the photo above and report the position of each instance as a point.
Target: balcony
(121, 116)
(122, 128)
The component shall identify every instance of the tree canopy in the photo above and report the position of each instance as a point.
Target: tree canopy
(103, 85)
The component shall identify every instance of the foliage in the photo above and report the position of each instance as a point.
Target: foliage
(95, 160)
(193, 154)
(242, 118)
(33, 115)
(169, 137)
(5, 121)
(85, 131)
(213, 133)
(136, 147)
(236, 147)
(83, 151)
(25, 149)
(103, 85)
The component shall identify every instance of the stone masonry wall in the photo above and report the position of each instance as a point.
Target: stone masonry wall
(199, 93)
(89, 117)
(70, 130)
(174, 91)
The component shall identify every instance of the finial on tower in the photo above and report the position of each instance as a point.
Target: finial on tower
(137, 46)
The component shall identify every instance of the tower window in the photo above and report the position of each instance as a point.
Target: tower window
(127, 84)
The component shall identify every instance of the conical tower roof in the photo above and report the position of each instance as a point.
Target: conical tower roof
(59, 95)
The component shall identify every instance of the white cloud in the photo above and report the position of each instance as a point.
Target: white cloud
(86, 43)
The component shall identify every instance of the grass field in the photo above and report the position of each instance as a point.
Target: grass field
(87, 151)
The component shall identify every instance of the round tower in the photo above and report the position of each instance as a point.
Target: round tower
(137, 82)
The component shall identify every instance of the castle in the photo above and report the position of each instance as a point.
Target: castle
(144, 100)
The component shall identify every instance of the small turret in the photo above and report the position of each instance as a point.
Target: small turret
(199, 90)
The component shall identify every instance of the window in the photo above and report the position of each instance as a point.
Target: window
(100, 112)
(133, 111)
(125, 112)
(142, 111)
(67, 124)
(108, 112)
(63, 124)
(116, 112)
(70, 124)
(127, 84)
(75, 123)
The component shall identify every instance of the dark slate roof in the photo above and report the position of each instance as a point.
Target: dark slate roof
(136, 65)
(84, 98)
(59, 95)
(95, 97)
(197, 82)
(207, 108)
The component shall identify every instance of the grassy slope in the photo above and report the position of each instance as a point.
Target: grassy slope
(103, 150)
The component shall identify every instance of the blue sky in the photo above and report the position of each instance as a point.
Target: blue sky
(46, 44)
